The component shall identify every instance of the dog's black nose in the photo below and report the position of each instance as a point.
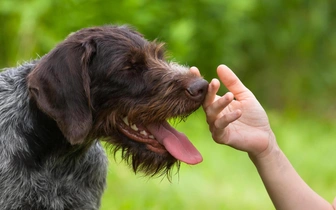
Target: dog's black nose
(197, 90)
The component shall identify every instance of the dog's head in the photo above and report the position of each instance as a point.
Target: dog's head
(110, 83)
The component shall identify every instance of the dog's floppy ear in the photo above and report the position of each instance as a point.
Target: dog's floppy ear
(60, 85)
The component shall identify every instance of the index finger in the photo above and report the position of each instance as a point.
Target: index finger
(232, 83)
(211, 94)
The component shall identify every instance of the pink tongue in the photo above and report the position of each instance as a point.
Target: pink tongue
(176, 143)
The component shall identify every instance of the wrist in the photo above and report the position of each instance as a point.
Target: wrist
(270, 154)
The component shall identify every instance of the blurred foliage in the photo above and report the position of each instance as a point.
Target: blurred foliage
(283, 50)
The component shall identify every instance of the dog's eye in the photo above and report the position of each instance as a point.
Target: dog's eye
(136, 67)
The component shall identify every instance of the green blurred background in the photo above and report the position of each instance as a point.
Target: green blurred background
(284, 51)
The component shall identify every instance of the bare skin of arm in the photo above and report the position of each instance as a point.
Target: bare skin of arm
(238, 120)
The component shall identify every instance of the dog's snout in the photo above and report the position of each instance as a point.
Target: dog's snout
(197, 90)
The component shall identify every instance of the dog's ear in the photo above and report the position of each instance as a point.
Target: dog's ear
(60, 85)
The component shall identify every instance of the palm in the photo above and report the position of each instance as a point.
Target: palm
(240, 123)
(250, 132)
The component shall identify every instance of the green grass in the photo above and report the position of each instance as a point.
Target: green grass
(226, 179)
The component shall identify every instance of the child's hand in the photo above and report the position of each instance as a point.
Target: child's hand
(237, 119)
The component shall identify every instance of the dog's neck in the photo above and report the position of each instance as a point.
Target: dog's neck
(40, 137)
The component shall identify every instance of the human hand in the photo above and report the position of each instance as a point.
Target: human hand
(237, 119)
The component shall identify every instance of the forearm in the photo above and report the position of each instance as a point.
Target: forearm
(285, 187)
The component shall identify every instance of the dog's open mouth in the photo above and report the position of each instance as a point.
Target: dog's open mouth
(161, 138)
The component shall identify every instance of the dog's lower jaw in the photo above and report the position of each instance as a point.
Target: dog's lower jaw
(161, 138)
(140, 158)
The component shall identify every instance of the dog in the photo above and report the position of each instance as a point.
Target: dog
(101, 84)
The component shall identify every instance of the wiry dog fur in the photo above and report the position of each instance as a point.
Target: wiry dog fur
(92, 86)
